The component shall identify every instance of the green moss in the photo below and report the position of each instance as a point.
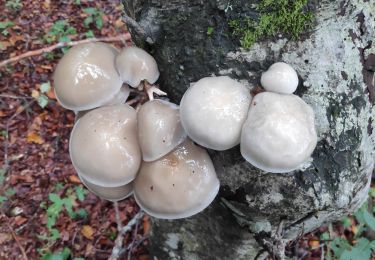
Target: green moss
(286, 16)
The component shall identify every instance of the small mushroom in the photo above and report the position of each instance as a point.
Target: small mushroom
(86, 76)
(279, 134)
(104, 148)
(159, 129)
(178, 185)
(135, 65)
(280, 78)
(109, 193)
(213, 111)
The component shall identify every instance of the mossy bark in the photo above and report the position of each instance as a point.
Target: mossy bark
(332, 61)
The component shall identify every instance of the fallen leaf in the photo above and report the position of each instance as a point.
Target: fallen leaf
(4, 237)
(313, 243)
(51, 94)
(34, 138)
(20, 220)
(87, 232)
(74, 179)
(35, 93)
(20, 109)
(16, 38)
(90, 250)
(4, 45)
(146, 225)
(119, 23)
(46, 67)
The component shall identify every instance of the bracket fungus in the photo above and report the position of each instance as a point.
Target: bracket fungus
(86, 76)
(109, 193)
(178, 185)
(280, 78)
(279, 134)
(159, 129)
(136, 65)
(104, 146)
(213, 111)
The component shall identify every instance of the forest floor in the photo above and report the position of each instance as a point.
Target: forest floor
(44, 208)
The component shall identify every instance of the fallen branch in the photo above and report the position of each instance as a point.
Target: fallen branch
(123, 37)
(120, 236)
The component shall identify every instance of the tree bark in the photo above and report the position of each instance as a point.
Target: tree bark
(336, 73)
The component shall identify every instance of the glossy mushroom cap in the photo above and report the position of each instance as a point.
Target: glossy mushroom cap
(159, 129)
(135, 65)
(213, 111)
(280, 78)
(86, 77)
(120, 97)
(178, 185)
(109, 193)
(279, 133)
(104, 148)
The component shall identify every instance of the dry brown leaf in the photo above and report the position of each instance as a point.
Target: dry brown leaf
(4, 45)
(74, 179)
(87, 232)
(34, 138)
(51, 94)
(20, 220)
(313, 243)
(5, 237)
(35, 93)
(146, 225)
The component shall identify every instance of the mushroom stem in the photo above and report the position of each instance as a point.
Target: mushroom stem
(151, 89)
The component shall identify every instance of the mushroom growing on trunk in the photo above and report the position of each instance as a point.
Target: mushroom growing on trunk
(109, 193)
(213, 111)
(178, 185)
(136, 65)
(159, 129)
(280, 78)
(279, 134)
(104, 148)
(86, 77)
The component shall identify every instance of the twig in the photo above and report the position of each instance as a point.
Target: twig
(119, 239)
(130, 247)
(123, 37)
(138, 28)
(275, 244)
(118, 218)
(15, 237)
(14, 97)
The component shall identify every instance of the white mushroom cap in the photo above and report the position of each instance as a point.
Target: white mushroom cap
(213, 111)
(179, 185)
(280, 78)
(159, 129)
(86, 76)
(135, 65)
(120, 97)
(109, 193)
(279, 134)
(104, 148)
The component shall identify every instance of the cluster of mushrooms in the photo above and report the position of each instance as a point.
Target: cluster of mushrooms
(149, 151)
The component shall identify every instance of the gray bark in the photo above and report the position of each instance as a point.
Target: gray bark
(336, 69)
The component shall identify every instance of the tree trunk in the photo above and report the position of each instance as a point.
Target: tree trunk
(335, 63)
